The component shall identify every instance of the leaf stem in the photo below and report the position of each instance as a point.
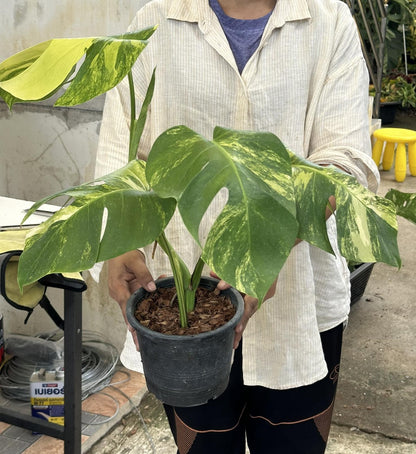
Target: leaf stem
(132, 150)
(195, 280)
(181, 277)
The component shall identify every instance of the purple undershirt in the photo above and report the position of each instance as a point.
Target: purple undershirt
(243, 35)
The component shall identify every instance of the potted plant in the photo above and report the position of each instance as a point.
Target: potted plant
(183, 172)
(400, 25)
(397, 90)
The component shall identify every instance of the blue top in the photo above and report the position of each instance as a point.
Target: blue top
(243, 35)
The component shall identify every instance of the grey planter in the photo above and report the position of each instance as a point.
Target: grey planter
(186, 371)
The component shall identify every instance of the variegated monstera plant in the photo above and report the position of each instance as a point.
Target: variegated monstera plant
(274, 196)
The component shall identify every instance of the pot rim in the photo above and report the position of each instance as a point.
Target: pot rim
(138, 294)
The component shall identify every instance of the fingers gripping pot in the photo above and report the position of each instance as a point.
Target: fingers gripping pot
(189, 370)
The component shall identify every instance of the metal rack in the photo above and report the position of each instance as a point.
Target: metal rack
(70, 433)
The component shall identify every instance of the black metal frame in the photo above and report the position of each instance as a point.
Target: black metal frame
(71, 431)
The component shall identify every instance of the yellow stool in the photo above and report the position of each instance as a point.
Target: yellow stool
(401, 137)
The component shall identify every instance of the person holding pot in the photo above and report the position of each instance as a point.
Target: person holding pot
(293, 68)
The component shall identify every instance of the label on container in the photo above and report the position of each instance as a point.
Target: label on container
(47, 399)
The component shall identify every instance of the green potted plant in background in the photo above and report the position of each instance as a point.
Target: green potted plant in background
(387, 32)
(400, 27)
(131, 207)
(401, 22)
(397, 90)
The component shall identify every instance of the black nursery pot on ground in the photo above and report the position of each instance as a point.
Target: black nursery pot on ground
(388, 112)
(186, 370)
(359, 279)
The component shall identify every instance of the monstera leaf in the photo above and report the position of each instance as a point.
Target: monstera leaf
(366, 223)
(106, 218)
(253, 235)
(38, 72)
(269, 188)
(405, 204)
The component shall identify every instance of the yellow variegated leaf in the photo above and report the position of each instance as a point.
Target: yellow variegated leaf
(38, 72)
(253, 235)
(113, 215)
(404, 202)
(366, 223)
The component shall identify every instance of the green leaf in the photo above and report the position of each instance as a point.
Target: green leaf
(14, 65)
(137, 125)
(45, 73)
(75, 237)
(38, 72)
(366, 223)
(312, 189)
(107, 62)
(253, 235)
(8, 98)
(405, 204)
(182, 277)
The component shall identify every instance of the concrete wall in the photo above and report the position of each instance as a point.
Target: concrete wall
(24, 23)
(45, 149)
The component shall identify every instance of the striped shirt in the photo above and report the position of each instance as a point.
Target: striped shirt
(307, 83)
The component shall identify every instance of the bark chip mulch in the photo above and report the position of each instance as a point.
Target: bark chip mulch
(159, 312)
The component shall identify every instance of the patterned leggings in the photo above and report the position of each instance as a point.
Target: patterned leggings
(293, 421)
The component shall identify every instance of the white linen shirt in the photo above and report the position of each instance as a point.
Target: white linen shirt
(308, 84)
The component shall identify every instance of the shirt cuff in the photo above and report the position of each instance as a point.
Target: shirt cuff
(359, 165)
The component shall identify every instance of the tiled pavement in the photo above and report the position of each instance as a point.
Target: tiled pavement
(100, 412)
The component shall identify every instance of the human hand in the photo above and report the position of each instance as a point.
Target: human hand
(126, 274)
(251, 305)
(222, 285)
(330, 207)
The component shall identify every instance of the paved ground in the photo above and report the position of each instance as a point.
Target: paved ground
(375, 410)
(377, 389)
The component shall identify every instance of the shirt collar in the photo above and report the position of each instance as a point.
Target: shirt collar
(288, 11)
(188, 10)
(199, 11)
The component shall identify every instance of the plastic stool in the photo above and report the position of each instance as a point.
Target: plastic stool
(391, 137)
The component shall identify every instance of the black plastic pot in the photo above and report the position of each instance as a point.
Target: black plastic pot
(388, 112)
(185, 371)
(359, 279)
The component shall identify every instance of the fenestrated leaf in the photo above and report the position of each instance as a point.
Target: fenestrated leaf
(107, 62)
(76, 237)
(38, 72)
(366, 223)
(253, 235)
(404, 202)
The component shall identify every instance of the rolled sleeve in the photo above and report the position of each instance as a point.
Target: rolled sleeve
(341, 130)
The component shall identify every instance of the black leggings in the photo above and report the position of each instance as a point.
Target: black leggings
(293, 421)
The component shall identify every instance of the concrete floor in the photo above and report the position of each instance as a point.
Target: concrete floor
(375, 410)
